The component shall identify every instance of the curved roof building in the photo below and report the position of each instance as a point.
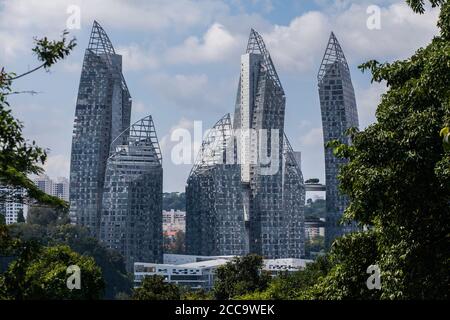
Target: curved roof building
(252, 201)
(102, 112)
(131, 220)
(339, 113)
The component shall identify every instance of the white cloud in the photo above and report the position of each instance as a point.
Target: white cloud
(190, 91)
(217, 44)
(138, 14)
(57, 166)
(11, 45)
(313, 137)
(297, 46)
(368, 100)
(135, 58)
(402, 32)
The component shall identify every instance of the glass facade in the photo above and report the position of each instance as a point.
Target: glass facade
(254, 203)
(102, 112)
(339, 113)
(131, 220)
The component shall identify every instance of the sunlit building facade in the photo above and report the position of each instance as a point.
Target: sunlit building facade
(246, 193)
(102, 112)
(131, 220)
(339, 113)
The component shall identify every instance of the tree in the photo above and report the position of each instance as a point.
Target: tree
(200, 294)
(293, 285)
(174, 201)
(18, 158)
(2, 219)
(398, 182)
(315, 209)
(241, 276)
(177, 245)
(20, 217)
(77, 238)
(41, 273)
(155, 288)
(46, 216)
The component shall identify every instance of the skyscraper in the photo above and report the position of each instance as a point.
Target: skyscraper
(254, 202)
(214, 210)
(58, 188)
(131, 220)
(102, 112)
(339, 113)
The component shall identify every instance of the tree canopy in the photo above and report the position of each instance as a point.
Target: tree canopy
(398, 182)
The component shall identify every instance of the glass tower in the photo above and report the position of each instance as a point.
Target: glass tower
(131, 220)
(261, 182)
(339, 113)
(102, 112)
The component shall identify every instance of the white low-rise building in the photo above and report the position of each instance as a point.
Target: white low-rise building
(198, 272)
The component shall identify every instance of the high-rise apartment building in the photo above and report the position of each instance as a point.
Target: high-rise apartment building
(58, 188)
(131, 220)
(102, 113)
(11, 206)
(246, 193)
(339, 113)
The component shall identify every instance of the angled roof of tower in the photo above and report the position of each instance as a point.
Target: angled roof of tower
(99, 41)
(256, 45)
(290, 160)
(140, 134)
(214, 146)
(333, 54)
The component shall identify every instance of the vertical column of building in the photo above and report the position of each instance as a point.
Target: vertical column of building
(102, 112)
(339, 113)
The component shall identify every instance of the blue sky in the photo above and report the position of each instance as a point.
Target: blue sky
(181, 62)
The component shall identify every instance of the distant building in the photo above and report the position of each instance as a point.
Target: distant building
(199, 272)
(314, 228)
(10, 207)
(174, 220)
(58, 188)
(339, 113)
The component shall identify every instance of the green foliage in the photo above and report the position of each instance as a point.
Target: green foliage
(243, 275)
(41, 273)
(398, 182)
(155, 288)
(2, 218)
(176, 246)
(50, 51)
(315, 245)
(196, 295)
(20, 217)
(18, 158)
(445, 134)
(77, 238)
(292, 286)
(47, 216)
(350, 257)
(174, 201)
(419, 6)
(316, 209)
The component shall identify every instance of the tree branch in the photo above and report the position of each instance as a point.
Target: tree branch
(28, 72)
